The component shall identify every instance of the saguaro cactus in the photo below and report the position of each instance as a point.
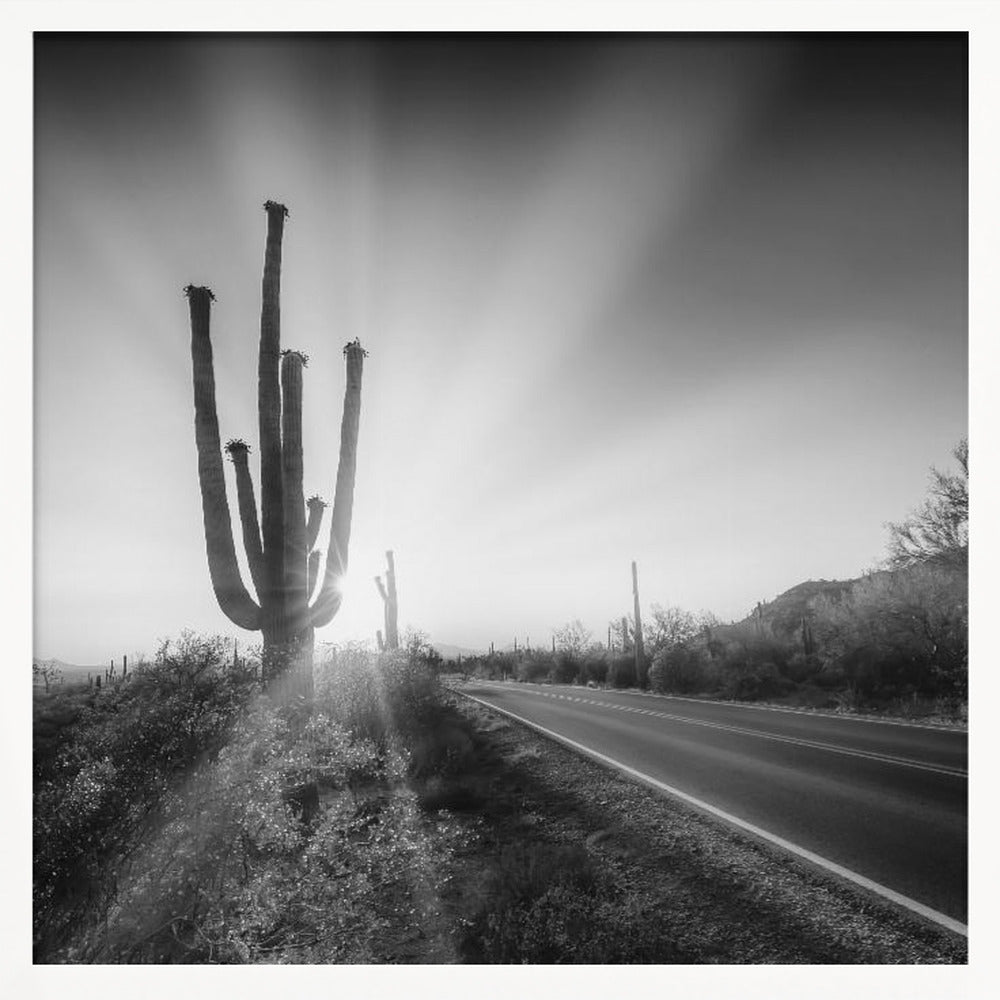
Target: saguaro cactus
(283, 569)
(387, 591)
(640, 655)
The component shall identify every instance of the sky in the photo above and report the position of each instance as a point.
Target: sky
(696, 301)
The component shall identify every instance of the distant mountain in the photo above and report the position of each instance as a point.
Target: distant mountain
(785, 612)
(70, 669)
(454, 652)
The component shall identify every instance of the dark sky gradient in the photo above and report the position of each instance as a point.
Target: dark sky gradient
(698, 301)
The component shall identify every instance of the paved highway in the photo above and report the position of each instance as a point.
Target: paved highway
(888, 802)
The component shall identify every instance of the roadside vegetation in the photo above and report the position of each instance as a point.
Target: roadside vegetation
(170, 828)
(895, 640)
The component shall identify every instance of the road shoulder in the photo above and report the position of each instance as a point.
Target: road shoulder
(714, 895)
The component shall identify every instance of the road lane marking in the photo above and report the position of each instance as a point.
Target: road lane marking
(941, 919)
(815, 713)
(882, 758)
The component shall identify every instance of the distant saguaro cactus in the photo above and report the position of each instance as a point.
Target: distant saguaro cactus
(640, 655)
(387, 591)
(283, 570)
(808, 642)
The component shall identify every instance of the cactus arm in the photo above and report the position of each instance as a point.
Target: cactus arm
(238, 452)
(292, 364)
(223, 568)
(269, 415)
(328, 599)
(316, 506)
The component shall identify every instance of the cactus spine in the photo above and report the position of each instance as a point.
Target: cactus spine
(283, 569)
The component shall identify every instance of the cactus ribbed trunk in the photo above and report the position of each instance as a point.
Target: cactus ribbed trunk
(294, 501)
(392, 621)
(640, 656)
(269, 427)
(328, 599)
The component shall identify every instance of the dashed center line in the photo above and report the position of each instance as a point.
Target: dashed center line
(758, 734)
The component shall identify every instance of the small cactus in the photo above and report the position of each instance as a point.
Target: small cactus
(387, 591)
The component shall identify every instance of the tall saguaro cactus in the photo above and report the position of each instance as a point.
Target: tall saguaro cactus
(284, 568)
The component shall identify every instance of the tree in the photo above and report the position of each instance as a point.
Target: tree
(938, 530)
(901, 628)
(46, 673)
(573, 638)
(671, 627)
(418, 647)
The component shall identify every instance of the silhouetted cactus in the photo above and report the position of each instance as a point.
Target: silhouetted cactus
(640, 656)
(284, 576)
(808, 642)
(387, 592)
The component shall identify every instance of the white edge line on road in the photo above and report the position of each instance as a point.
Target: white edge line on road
(899, 899)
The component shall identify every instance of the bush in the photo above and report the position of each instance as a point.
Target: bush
(223, 866)
(232, 876)
(759, 681)
(566, 668)
(679, 669)
(376, 697)
(621, 671)
(548, 904)
(803, 667)
(99, 784)
(533, 667)
(595, 667)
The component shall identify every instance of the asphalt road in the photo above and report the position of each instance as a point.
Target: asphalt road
(886, 801)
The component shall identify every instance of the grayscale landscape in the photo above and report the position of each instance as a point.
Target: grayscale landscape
(501, 499)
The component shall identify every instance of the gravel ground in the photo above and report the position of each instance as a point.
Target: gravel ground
(721, 897)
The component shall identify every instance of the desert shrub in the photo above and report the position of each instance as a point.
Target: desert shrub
(97, 789)
(679, 669)
(621, 671)
(229, 869)
(761, 680)
(231, 875)
(376, 697)
(533, 667)
(595, 667)
(566, 668)
(803, 667)
(548, 904)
